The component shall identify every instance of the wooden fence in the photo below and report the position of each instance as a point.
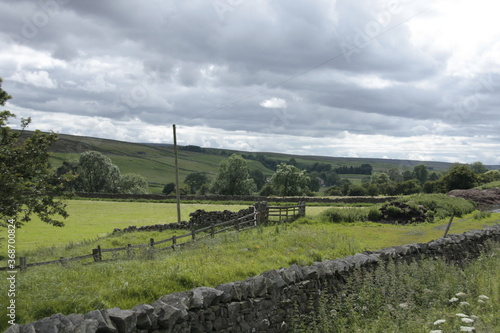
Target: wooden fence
(262, 214)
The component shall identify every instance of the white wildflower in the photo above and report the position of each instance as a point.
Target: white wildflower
(440, 321)
(453, 300)
(467, 329)
(474, 317)
(484, 297)
(464, 303)
(467, 320)
(481, 301)
(460, 294)
(436, 331)
(403, 305)
(462, 315)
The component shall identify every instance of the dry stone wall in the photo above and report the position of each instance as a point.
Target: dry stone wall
(247, 198)
(263, 303)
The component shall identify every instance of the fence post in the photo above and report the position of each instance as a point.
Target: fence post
(262, 212)
(129, 250)
(449, 225)
(193, 234)
(302, 208)
(174, 241)
(151, 242)
(64, 261)
(23, 264)
(212, 231)
(96, 253)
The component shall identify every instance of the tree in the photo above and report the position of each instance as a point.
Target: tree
(132, 183)
(97, 173)
(408, 187)
(357, 190)
(169, 188)
(421, 173)
(478, 167)
(196, 180)
(258, 177)
(94, 172)
(232, 177)
(290, 181)
(459, 177)
(26, 178)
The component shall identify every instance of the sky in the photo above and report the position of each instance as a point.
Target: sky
(407, 79)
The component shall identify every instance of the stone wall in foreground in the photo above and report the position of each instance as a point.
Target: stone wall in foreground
(263, 303)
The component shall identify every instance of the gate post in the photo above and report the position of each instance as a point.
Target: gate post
(262, 209)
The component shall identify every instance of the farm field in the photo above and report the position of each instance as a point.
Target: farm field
(144, 277)
(90, 219)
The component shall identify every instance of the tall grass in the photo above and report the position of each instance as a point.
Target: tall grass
(148, 275)
(423, 296)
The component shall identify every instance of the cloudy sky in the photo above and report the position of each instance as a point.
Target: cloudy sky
(390, 79)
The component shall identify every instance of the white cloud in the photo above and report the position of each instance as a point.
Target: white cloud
(39, 79)
(274, 103)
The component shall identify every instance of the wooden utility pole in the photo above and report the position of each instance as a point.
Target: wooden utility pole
(177, 187)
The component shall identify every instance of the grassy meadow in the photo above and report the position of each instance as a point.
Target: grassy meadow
(147, 275)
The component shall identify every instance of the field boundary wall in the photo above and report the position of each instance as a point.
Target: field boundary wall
(246, 198)
(263, 303)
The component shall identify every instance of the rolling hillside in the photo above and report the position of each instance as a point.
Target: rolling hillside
(156, 161)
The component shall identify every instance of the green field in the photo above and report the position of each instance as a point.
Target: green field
(90, 220)
(146, 276)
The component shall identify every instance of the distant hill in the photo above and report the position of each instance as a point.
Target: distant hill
(156, 161)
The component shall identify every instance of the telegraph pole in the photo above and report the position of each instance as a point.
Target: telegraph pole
(177, 187)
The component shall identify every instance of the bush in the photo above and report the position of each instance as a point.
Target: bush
(339, 215)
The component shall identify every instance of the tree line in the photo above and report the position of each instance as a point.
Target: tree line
(234, 178)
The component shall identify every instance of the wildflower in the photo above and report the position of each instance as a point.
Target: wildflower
(474, 317)
(464, 303)
(462, 315)
(440, 321)
(403, 305)
(436, 331)
(481, 301)
(467, 320)
(453, 300)
(484, 297)
(467, 329)
(460, 294)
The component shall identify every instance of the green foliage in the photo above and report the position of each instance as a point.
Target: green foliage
(357, 190)
(289, 180)
(418, 297)
(133, 183)
(421, 173)
(408, 187)
(233, 177)
(478, 167)
(258, 177)
(340, 215)
(27, 179)
(441, 204)
(169, 188)
(459, 177)
(481, 214)
(196, 180)
(489, 177)
(97, 173)
(94, 172)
